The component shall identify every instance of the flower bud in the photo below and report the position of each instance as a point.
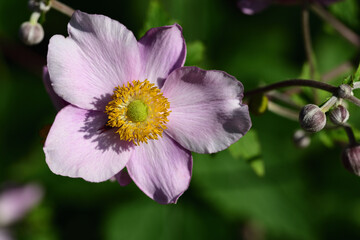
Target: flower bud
(351, 159)
(311, 118)
(301, 139)
(344, 91)
(34, 5)
(339, 115)
(31, 33)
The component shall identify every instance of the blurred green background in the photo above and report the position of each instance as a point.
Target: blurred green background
(263, 187)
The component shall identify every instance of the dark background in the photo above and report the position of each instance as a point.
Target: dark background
(304, 193)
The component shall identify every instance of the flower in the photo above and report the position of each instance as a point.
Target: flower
(350, 158)
(251, 7)
(132, 104)
(15, 203)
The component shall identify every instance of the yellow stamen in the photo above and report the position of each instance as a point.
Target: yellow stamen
(139, 111)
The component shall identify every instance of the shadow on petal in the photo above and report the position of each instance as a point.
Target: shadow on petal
(105, 137)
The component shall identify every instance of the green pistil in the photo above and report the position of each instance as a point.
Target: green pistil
(137, 111)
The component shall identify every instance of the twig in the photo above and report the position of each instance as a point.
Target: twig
(342, 68)
(307, 39)
(62, 7)
(293, 82)
(346, 32)
(282, 111)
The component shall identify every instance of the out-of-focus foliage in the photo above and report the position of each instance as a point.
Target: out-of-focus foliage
(302, 194)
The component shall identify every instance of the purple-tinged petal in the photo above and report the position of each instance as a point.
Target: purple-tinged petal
(79, 145)
(161, 169)
(123, 178)
(99, 55)
(16, 202)
(58, 102)
(206, 111)
(162, 49)
(5, 234)
(251, 7)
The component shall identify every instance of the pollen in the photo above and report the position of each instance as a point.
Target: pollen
(139, 111)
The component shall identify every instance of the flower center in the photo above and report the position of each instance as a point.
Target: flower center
(139, 111)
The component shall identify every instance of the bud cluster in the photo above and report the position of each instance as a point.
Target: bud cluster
(312, 118)
(31, 32)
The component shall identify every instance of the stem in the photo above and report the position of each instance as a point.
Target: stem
(284, 98)
(354, 100)
(62, 7)
(282, 111)
(346, 32)
(34, 18)
(324, 108)
(342, 68)
(356, 85)
(293, 82)
(307, 39)
(350, 135)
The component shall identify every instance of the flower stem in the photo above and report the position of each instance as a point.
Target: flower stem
(307, 39)
(326, 107)
(356, 85)
(341, 69)
(346, 32)
(282, 111)
(354, 100)
(291, 83)
(350, 135)
(62, 7)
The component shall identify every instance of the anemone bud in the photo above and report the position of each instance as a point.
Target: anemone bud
(31, 33)
(311, 118)
(351, 159)
(339, 115)
(301, 139)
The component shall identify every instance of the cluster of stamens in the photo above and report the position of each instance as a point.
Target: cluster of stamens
(139, 111)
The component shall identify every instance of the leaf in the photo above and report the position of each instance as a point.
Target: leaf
(230, 186)
(249, 149)
(195, 53)
(325, 139)
(357, 74)
(152, 221)
(347, 12)
(156, 17)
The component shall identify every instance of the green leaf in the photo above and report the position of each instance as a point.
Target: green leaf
(249, 149)
(325, 139)
(152, 221)
(230, 186)
(347, 12)
(357, 75)
(349, 80)
(156, 17)
(195, 53)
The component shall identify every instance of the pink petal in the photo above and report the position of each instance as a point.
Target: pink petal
(251, 7)
(207, 115)
(79, 145)
(161, 169)
(16, 202)
(99, 55)
(123, 178)
(162, 49)
(58, 102)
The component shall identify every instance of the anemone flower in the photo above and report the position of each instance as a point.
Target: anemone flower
(134, 111)
(15, 203)
(253, 6)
